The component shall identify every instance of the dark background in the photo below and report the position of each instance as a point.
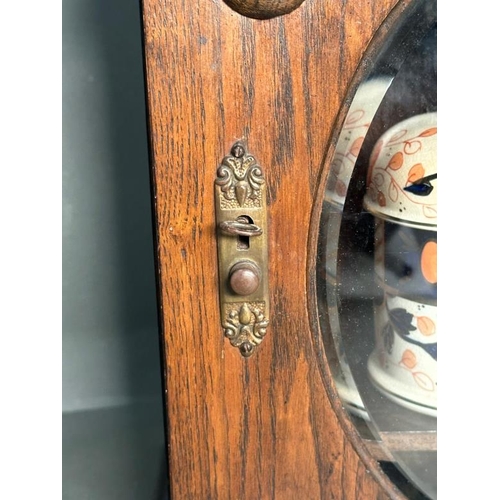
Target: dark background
(113, 441)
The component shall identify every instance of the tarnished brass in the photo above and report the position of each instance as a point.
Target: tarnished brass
(240, 228)
(244, 278)
(241, 212)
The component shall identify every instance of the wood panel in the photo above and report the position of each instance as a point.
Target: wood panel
(261, 427)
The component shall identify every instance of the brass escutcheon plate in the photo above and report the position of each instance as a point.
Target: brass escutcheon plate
(241, 225)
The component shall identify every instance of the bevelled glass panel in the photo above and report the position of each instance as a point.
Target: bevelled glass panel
(377, 255)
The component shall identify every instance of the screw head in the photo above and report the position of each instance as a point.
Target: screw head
(246, 349)
(238, 150)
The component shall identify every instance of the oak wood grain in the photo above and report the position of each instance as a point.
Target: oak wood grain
(261, 427)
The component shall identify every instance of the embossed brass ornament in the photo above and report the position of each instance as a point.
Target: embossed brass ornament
(240, 179)
(245, 326)
(240, 201)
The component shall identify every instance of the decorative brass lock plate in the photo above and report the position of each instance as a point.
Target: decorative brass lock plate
(241, 213)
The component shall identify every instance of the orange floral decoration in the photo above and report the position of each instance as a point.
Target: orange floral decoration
(426, 325)
(428, 261)
(416, 173)
(396, 161)
(409, 359)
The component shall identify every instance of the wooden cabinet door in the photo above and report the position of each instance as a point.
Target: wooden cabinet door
(269, 425)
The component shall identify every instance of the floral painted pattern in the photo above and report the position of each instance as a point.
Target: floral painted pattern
(356, 125)
(400, 323)
(401, 158)
(403, 324)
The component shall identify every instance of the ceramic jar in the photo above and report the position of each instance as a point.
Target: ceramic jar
(402, 196)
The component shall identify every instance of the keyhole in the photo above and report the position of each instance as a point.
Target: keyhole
(243, 242)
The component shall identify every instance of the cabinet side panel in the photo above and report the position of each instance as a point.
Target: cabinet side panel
(261, 427)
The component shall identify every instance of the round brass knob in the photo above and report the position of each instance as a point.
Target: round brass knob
(244, 278)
